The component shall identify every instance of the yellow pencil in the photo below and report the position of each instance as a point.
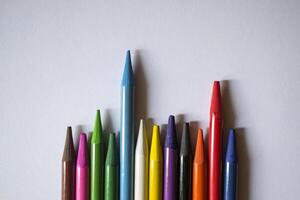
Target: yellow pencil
(156, 166)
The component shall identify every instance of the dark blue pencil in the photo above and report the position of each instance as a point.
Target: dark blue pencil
(230, 168)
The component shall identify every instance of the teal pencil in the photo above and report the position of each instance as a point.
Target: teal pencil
(127, 132)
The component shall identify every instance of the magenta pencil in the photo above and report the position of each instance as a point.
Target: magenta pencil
(82, 170)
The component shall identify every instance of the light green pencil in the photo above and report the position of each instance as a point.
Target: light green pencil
(97, 161)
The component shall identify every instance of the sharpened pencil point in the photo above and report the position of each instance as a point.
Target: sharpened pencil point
(142, 141)
(171, 140)
(185, 148)
(199, 151)
(156, 151)
(215, 106)
(231, 155)
(111, 150)
(97, 133)
(83, 158)
(69, 151)
(128, 77)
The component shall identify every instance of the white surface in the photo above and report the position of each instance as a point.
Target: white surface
(60, 60)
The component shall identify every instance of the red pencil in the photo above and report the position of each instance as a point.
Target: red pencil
(215, 145)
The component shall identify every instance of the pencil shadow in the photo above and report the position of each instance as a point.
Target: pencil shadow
(118, 162)
(77, 130)
(205, 135)
(179, 120)
(229, 116)
(118, 146)
(244, 173)
(107, 126)
(163, 133)
(194, 126)
(107, 122)
(141, 91)
(89, 137)
(228, 110)
(149, 126)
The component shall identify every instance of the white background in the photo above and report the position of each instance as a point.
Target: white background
(61, 60)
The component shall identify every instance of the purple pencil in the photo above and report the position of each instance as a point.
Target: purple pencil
(82, 170)
(170, 161)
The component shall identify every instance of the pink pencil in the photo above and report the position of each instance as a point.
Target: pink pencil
(82, 170)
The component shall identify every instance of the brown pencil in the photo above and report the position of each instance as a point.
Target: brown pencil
(68, 168)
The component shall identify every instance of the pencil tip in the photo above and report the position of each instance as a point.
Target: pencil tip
(155, 151)
(111, 150)
(97, 133)
(69, 151)
(171, 140)
(231, 154)
(215, 106)
(82, 157)
(142, 141)
(199, 150)
(128, 77)
(185, 148)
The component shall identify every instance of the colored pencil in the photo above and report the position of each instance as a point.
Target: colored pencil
(230, 168)
(155, 166)
(68, 168)
(185, 165)
(141, 164)
(111, 170)
(127, 132)
(97, 160)
(199, 169)
(82, 170)
(170, 161)
(215, 145)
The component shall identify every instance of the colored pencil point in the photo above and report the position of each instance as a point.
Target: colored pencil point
(199, 169)
(215, 145)
(155, 166)
(170, 161)
(97, 160)
(111, 170)
(82, 170)
(141, 164)
(128, 76)
(230, 168)
(215, 105)
(68, 168)
(185, 164)
(127, 132)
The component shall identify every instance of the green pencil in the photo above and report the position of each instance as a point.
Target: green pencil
(111, 170)
(97, 161)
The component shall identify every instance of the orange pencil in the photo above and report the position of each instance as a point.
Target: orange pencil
(199, 169)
